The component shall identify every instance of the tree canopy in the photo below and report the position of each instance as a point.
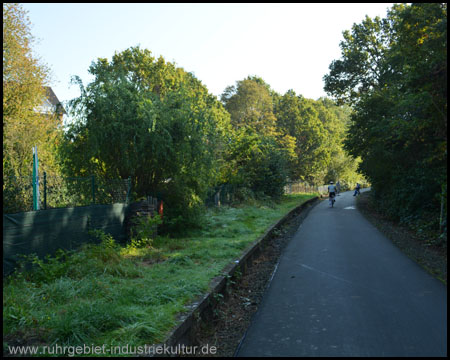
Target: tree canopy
(24, 77)
(24, 126)
(399, 124)
(250, 104)
(145, 118)
(307, 135)
(257, 155)
(297, 118)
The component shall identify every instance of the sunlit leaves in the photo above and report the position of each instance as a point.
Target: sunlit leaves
(399, 123)
(142, 117)
(24, 76)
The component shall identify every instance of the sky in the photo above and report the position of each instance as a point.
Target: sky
(289, 45)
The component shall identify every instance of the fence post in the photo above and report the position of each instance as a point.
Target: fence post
(35, 180)
(45, 190)
(93, 188)
(128, 190)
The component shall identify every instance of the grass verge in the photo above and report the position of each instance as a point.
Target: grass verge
(128, 295)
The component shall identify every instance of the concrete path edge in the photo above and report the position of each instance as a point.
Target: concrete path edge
(203, 308)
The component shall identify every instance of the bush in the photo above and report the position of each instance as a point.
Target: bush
(183, 208)
(243, 194)
(258, 163)
(268, 173)
(145, 231)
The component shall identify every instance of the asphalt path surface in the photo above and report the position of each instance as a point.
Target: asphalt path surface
(343, 289)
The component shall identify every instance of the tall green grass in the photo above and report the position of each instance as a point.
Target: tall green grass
(117, 295)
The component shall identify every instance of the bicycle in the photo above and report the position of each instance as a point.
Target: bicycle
(332, 200)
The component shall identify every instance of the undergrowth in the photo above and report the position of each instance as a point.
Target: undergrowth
(114, 294)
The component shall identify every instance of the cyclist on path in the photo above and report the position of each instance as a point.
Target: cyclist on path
(358, 187)
(331, 192)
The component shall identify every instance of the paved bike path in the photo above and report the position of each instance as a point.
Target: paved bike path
(343, 289)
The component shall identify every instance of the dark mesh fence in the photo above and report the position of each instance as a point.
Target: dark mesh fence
(62, 192)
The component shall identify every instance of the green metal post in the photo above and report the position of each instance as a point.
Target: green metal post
(93, 189)
(128, 190)
(35, 179)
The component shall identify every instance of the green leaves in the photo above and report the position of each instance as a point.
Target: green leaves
(147, 119)
(280, 137)
(24, 76)
(317, 128)
(257, 154)
(399, 124)
(361, 69)
(250, 105)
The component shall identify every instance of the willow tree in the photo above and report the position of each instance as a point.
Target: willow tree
(146, 119)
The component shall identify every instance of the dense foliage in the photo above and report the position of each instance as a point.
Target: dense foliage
(150, 120)
(305, 135)
(24, 125)
(393, 72)
(24, 77)
(147, 120)
(257, 155)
